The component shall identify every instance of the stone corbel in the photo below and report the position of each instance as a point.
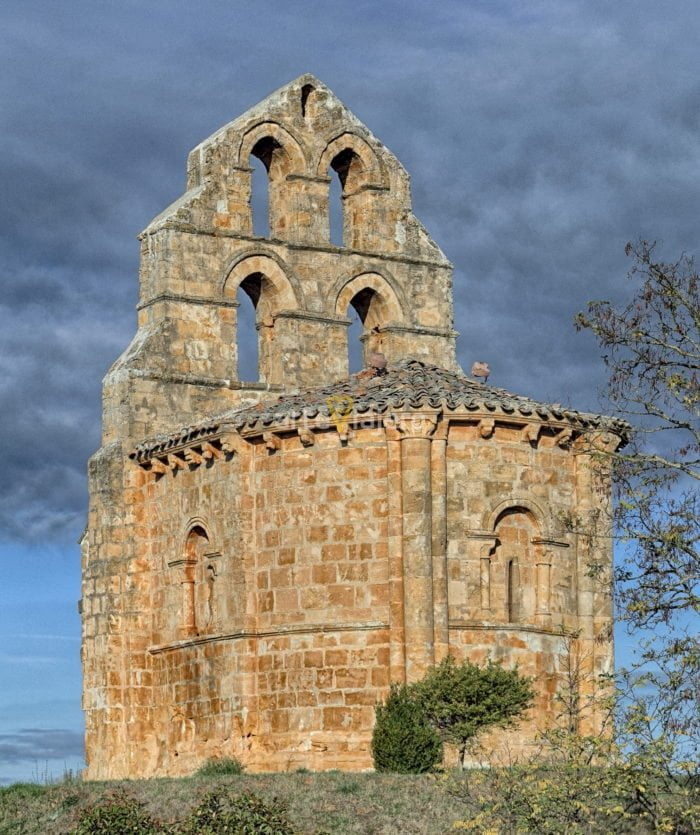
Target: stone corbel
(531, 433)
(176, 461)
(272, 442)
(563, 439)
(603, 442)
(193, 458)
(159, 467)
(306, 436)
(230, 443)
(487, 426)
(209, 451)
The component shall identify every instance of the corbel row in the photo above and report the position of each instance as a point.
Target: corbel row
(202, 453)
(531, 433)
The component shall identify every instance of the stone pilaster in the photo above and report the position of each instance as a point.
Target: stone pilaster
(416, 430)
(439, 540)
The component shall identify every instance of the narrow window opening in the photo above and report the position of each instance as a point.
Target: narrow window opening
(348, 166)
(263, 156)
(355, 348)
(335, 211)
(248, 296)
(306, 91)
(197, 541)
(260, 198)
(511, 591)
(364, 325)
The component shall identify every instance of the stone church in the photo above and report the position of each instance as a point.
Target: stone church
(263, 557)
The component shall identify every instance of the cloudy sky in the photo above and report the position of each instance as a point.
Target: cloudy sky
(540, 137)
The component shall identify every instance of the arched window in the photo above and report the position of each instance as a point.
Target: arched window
(306, 99)
(192, 566)
(256, 349)
(260, 198)
(514, 576)
(270, 289)
(349, 168)
(366, 317)
(512, 592)
(247, 296)
(335, 211)
(266, 200)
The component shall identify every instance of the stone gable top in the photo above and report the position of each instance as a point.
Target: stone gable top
(404, 386)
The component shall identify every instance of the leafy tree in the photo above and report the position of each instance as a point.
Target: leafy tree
(403, 741)
(461, 700)
(651, 348)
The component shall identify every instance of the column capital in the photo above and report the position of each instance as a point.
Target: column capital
(420, 423)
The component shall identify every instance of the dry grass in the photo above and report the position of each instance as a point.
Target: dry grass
(331, 802)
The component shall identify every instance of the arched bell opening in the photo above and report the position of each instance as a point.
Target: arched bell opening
(271, 164)
(255, 326)
(259, 198)
(248, 349)
(367, 314)
(349, 175)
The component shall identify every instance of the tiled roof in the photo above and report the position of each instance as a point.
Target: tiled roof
(409, 384)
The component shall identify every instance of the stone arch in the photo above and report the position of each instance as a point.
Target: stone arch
(196, 573)
(516, 524)
(282, 288)
(192, 523)
(271, 288)
(355, 160)
(377, 304)
(282, 155)
(515, 503)
(391, 305)
(189, 569)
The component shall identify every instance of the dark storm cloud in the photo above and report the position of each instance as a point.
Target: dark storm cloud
(540, 137)
(32, 744)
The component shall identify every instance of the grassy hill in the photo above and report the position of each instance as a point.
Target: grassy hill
(332, 802)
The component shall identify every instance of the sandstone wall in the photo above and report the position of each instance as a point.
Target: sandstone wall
(258, 603)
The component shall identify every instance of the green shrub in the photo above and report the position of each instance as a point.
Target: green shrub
(117, 814)
(220, 767)
(246, 814)
(403, 741)
(461, 700)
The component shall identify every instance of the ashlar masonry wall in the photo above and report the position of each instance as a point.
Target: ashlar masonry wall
(276, 588)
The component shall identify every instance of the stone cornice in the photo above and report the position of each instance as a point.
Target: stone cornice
(297, 629)
(179, 225)
(485, 626)
(175, 297)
